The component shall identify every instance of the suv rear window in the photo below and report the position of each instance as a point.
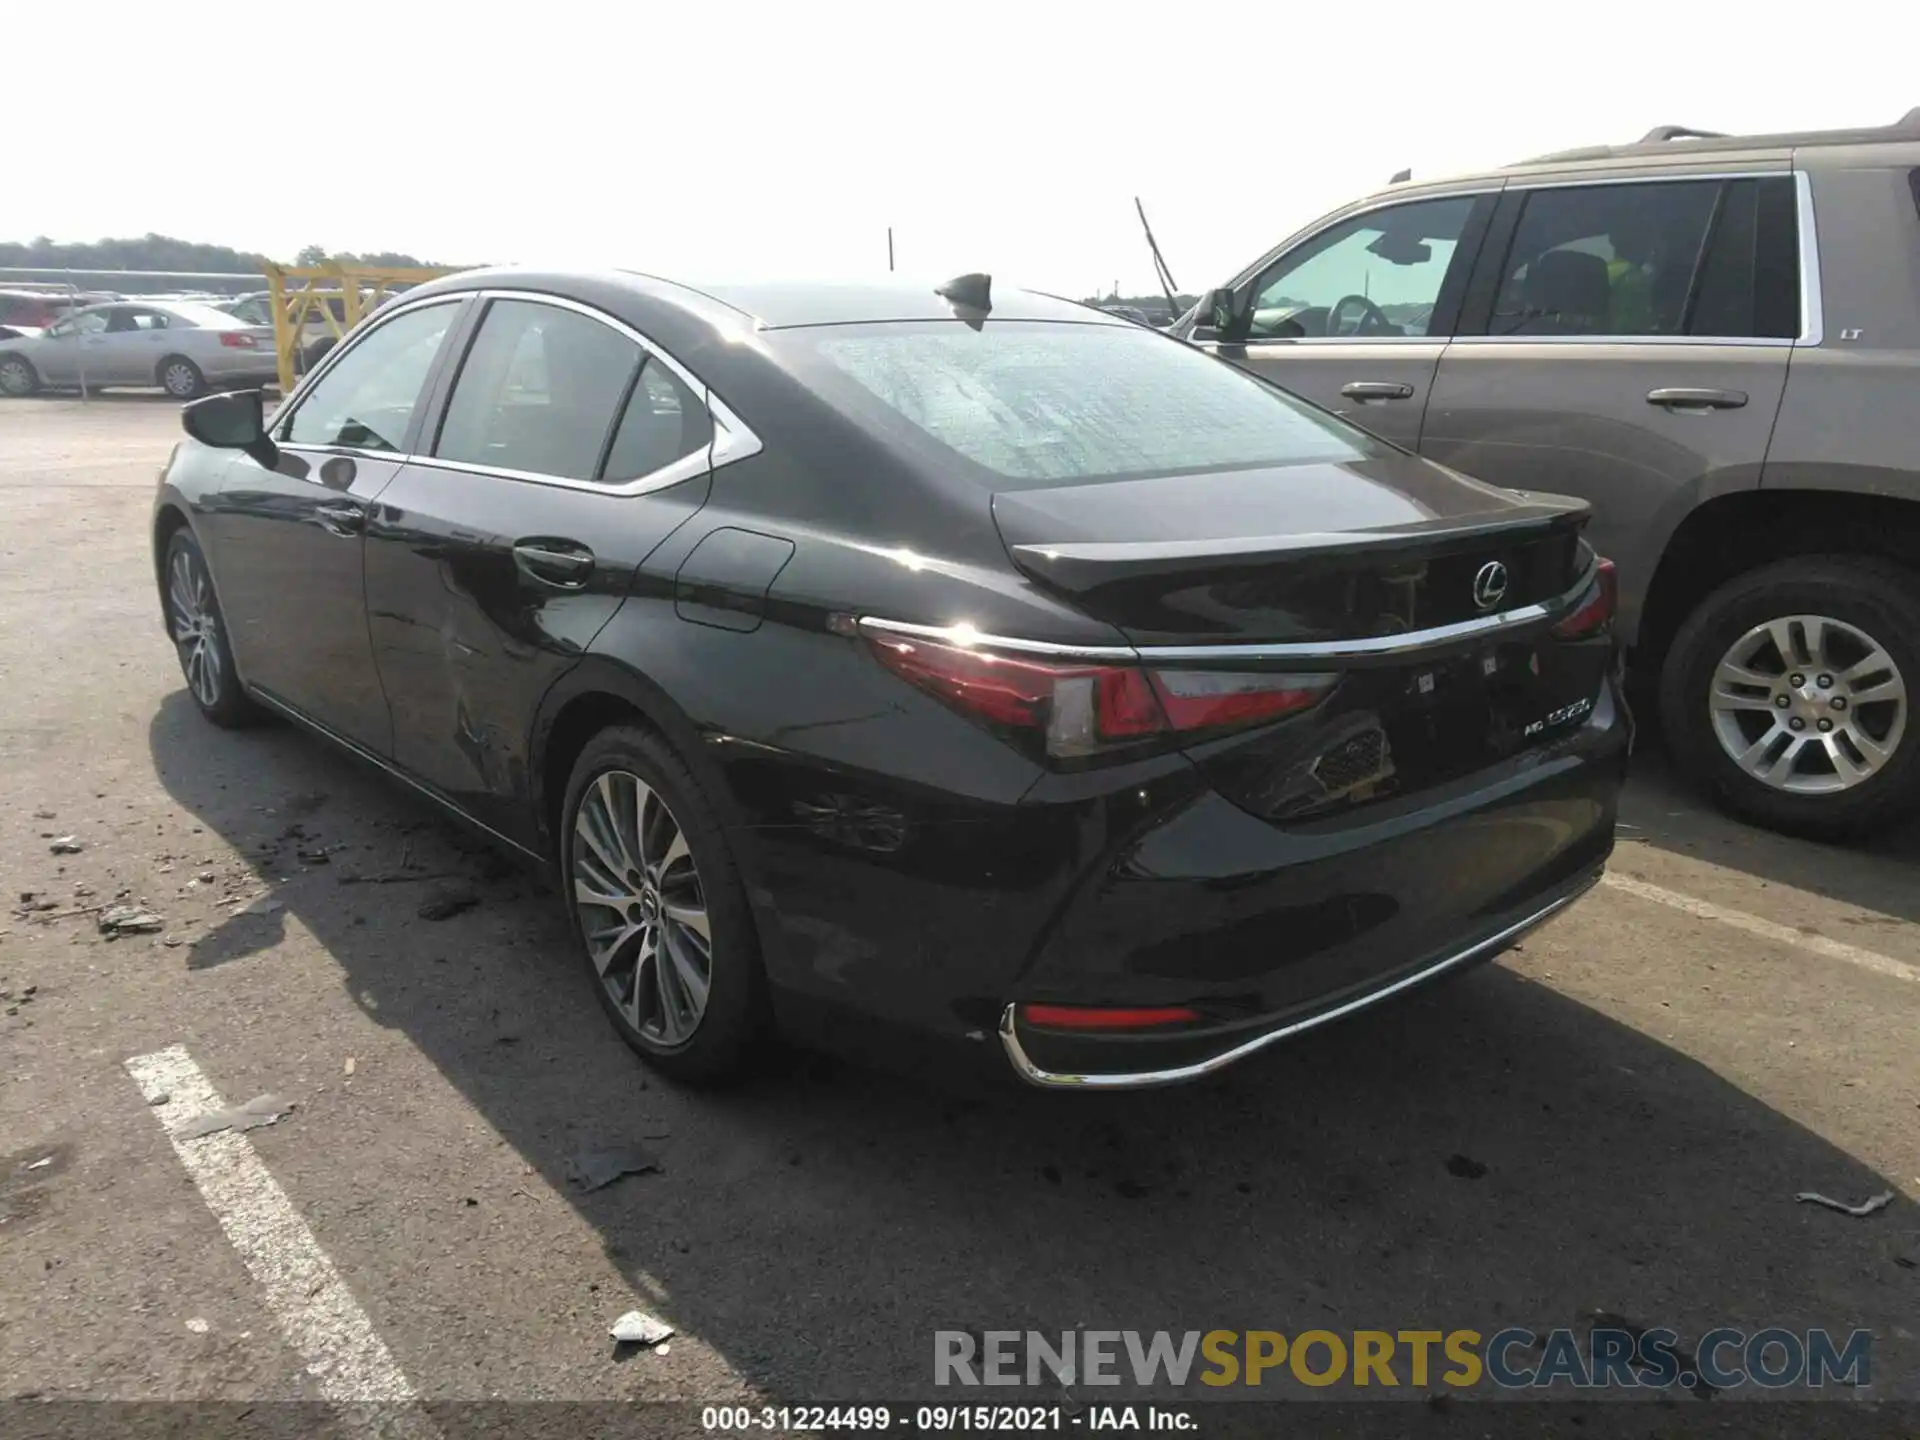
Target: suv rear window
(1047, 403)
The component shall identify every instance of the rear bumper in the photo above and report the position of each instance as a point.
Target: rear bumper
(1188, 1056)
(1265, 931)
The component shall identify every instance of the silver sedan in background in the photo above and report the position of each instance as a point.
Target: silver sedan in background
(183, 347)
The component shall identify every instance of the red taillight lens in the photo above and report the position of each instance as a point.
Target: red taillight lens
(1595, 610)
(238, 340)
(1102, 1017)
(1080, 709)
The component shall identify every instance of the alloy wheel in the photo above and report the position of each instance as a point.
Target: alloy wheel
(179, 379)
(196, 626)
(16, 378)
(1808, 704)
(642, 908)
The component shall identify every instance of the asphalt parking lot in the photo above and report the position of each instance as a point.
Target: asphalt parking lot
(1615, 1119)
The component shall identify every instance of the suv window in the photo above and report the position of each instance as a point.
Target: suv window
(1378, 274)
(1605, 259)
(538, 391)
(367, 397)
(663, 421)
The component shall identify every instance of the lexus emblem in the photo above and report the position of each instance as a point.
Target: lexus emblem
(1490, 585)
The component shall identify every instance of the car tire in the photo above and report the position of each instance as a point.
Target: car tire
(18, 378)
(645, 963)
(180, 377)
(199, 633)
(1861, 774)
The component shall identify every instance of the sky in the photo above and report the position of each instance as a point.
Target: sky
(705, 140)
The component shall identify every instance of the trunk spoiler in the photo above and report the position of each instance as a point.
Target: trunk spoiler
(1081, 566)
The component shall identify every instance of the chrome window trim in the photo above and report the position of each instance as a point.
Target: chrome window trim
(1033, 1074)
(1750, 342)
(1375, 648)
(1812, 313)
(1809, 260)
(290, 405)
(1774, 168)
(732, 438)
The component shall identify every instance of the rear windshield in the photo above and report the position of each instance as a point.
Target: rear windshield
(1039, 403)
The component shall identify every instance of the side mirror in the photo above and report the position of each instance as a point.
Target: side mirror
(1217, 314)
(233, 420)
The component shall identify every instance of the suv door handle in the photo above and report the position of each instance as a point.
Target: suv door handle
(1365, 390)
(345, 521)
(564, 564)
(1680, 397)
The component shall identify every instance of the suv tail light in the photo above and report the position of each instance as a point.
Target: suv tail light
(1595, 610)
(238, 340)
(1076, 709)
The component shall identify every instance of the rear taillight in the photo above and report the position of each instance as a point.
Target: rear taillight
(1595, 609)
(1078, 709)
(238, 340)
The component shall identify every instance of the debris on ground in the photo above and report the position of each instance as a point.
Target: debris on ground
(321, 856)
(447, 902)
(636, 1327)
(163, 1098)
(67, 845)
(197, 1325)
(1864, 1208)
(266, 905)
(597, 1167)
(261, 1110)
(1464, 1167)
(129, 920)
(206, 877)
(43, 814)
(347, 1069)
(41, 1163)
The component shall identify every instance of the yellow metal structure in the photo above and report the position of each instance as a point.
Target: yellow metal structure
(334, 296)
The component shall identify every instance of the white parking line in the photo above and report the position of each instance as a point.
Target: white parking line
(1764, 929)
(315, 1310)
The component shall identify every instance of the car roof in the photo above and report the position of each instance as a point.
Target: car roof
(1679, 141)
(775, 304)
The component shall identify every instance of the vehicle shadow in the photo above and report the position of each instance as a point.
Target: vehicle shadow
(1488, 1153)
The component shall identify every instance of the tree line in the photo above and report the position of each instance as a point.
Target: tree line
(164, 252)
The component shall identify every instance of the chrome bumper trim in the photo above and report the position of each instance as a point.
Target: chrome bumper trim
(1146, 1079)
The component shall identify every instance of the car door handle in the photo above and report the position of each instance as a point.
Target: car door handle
(1365, 390)
(1681, 397)
(343, 520)
(565, 564)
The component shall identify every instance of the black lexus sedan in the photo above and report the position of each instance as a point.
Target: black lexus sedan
(956, 662)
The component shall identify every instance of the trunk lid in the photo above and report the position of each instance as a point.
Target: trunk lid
(1229, 571)
(1291, 554)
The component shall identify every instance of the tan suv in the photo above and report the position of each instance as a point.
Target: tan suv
(1716, 340)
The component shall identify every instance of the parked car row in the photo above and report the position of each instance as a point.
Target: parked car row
(1713, 339)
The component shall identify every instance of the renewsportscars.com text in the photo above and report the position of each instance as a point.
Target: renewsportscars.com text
(1513, 1358)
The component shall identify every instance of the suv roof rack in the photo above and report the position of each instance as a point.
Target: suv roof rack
(1907, 127)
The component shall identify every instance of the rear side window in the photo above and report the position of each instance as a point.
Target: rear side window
(1605, 260)
(538, 392)
(663, 421)
(1718, 259)
(1045, 404)
(367, 397)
